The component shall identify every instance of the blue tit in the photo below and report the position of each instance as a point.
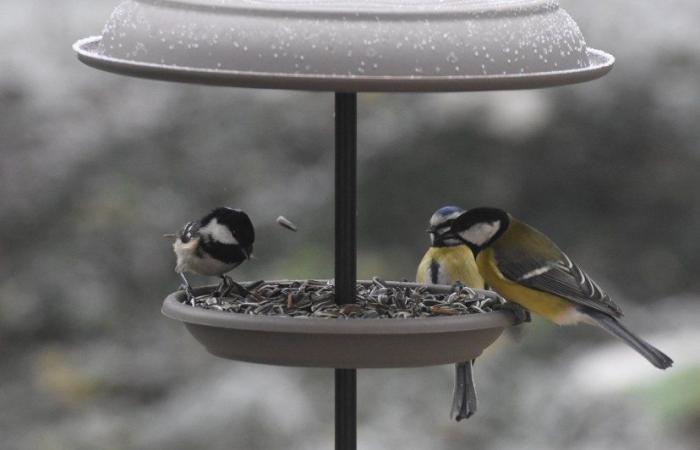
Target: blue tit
(214, 245)
(449, 261)
(526, 267)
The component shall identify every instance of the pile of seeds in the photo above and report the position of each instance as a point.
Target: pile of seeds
(377, 299)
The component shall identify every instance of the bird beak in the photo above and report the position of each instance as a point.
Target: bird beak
(170, 236)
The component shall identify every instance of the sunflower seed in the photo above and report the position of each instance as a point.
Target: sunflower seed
(286, 223)
(375, 299)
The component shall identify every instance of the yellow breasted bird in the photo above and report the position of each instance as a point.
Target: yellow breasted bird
(526, 267)
(449, 261)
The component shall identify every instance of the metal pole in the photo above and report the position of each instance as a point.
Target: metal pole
(345, 409)
(345, 197)
(345, 256)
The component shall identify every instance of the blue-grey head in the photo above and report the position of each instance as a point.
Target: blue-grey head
(440, 226)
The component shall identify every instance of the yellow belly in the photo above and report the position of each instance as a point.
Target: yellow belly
(453, 264)
(551, 307)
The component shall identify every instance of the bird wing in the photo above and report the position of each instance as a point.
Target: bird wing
(553, 273)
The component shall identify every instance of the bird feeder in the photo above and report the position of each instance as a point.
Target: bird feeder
(346, 47)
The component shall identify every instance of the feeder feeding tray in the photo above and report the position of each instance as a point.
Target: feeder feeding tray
(348, 45)
(341, 342)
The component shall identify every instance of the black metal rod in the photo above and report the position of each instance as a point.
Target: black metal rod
(345, 409)
(345, 256)
(345, 197)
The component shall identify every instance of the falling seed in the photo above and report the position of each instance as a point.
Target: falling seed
(286, 223)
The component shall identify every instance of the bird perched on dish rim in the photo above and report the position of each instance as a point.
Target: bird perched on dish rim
(214, 245)
(448, 261)
(526, 267)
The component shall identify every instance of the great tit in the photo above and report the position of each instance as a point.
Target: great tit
(449, 261)
(526, 267)
(214, 245)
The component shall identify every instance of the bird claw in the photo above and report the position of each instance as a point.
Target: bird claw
(239, 289)
(188, 293)
(521, 314)
(228, 286)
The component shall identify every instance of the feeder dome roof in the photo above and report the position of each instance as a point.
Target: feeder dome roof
(348, 45)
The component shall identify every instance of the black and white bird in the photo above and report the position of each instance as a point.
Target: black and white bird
(214, 245)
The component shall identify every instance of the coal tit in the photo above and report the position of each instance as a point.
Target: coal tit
(214, 245)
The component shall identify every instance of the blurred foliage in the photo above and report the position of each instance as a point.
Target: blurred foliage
(677, 397)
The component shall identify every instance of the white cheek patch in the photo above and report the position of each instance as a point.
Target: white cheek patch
(480, 233)
(218, 232)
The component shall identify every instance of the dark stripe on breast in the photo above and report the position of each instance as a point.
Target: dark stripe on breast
(434, 271)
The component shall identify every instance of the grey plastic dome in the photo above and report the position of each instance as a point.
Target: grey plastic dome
(348, 45)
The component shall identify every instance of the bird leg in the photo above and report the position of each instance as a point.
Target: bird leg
(517, 331)
(238, 288)
(187, 288)
(521, 314)
(464, 400)
(228, 286)
(223, 288)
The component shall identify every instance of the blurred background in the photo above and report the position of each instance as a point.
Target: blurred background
(96, 167)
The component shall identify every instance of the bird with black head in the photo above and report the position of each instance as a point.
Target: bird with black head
(213, 246)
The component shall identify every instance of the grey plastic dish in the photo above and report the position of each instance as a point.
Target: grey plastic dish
(340, 343)
(347, 45)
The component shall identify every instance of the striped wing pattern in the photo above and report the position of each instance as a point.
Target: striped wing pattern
(559, 276)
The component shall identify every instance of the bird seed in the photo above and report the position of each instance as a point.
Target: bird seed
(375, 299)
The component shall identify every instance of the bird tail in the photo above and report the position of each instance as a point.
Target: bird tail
(614, 327)
(464, 399)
